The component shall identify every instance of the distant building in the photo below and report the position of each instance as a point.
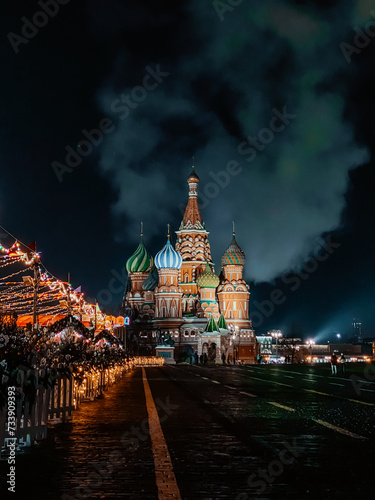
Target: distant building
(357, 330)
(265, 344)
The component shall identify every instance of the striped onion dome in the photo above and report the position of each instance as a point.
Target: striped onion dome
(152, 280)
(208, 279)
(168, 258)
(233, 255)
(141, 261)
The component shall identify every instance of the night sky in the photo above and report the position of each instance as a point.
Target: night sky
(171, 80)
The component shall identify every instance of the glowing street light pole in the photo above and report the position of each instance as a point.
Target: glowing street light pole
(276, 335)
(310, 343)
(34, 282)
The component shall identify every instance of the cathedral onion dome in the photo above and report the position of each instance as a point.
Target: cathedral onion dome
(211, 325)
(152, 280)
(222, 323)
(141, 261)
(193, 177)
(233, 255)
(208, 279)
(168, 258)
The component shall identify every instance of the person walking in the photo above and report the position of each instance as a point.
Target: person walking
(334, 364)
(342, 362)
(205, 358)
(223, 358)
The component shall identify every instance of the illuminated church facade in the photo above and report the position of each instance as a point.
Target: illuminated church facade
(178, 296)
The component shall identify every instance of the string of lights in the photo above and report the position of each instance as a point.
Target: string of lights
(42, 294)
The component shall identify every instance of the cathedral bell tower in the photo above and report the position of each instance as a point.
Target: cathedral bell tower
(193, 246)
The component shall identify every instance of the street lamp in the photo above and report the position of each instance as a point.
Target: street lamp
(34, 283)
(276, 334)
(234, 333)
(310, 343)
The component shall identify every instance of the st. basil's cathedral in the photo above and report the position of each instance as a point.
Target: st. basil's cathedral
(177, 295)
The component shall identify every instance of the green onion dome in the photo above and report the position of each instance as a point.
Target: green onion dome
(208, 279)
(141, 261)
(233, 255)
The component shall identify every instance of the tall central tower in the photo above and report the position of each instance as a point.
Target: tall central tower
(193, 246)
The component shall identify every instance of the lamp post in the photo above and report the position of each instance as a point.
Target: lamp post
(233, 333)
(34, 282)
(276, 334)
(310, 343)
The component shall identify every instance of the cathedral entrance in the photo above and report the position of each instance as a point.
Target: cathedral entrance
(212, 353)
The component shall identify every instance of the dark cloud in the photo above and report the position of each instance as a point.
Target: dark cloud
(258, 59)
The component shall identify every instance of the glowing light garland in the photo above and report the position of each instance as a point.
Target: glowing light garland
(19, 297)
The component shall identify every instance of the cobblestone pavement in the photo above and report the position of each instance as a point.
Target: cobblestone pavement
(230, 432)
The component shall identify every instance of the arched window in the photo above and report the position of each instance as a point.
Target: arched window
(186, 278)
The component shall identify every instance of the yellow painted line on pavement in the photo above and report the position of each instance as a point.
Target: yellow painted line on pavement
(317, 392)
(248, 394)
(205, 378)
(360, 402)
(338, 429)
(165, 478)
(346, 399)
(215, 381)
(229, 387)
(273, 382)
(287, 408)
